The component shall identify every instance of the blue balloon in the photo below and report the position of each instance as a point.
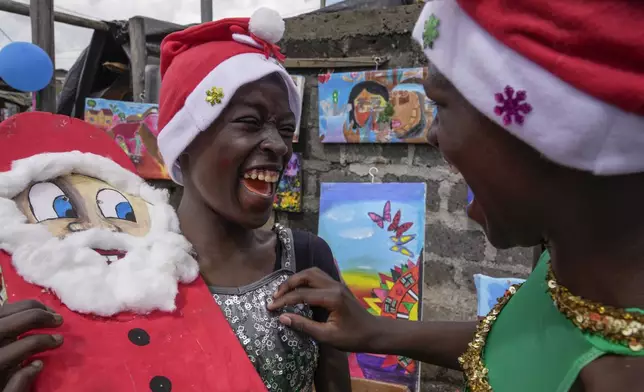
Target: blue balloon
(25, 66)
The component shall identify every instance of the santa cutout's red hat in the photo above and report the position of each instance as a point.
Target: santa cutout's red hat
(203, 66)
(563, 76)
(46, 145)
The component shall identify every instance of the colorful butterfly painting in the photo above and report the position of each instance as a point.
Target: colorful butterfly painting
(386, 216)
(402, 250)
(400, 242)
(397, 227)
(403, 240)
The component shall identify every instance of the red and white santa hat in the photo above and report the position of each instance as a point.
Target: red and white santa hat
(565, 77)
(203, 66)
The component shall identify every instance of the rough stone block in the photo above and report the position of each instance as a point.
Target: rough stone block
(458, 197)
(436, 273)
(332, 26)
(310, 203)
(447, 242)
(340, 176)
(437, 312)
(363, 153)
(316, 165)
(426, 155)
(433, 198)
(317, 150)
(310, 112)
(520, 256)
(310, 184)
(395, 153)
(303, 221)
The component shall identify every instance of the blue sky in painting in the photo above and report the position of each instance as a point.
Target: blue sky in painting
(129, 108)
(356, 241)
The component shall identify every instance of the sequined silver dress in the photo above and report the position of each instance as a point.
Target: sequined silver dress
(286, 360)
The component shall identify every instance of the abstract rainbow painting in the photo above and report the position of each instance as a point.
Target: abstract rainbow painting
(377, 233)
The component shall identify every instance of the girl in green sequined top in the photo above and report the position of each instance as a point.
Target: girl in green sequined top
(540, 108)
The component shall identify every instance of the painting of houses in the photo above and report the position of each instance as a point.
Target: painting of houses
(133, 126)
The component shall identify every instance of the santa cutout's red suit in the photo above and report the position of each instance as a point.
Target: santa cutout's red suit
(83, 234)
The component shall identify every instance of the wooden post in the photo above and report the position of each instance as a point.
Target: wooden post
(322, 3)
(17, 8)
(138, 57)
(42, 34)
(206, 11)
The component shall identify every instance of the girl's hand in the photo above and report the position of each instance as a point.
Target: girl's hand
(349, 327)
(16, 319)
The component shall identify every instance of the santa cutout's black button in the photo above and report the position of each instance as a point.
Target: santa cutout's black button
(160, 384)
(139, 337)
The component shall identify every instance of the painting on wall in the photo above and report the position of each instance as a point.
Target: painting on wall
(133, 126)
(376, 233)
(386, 106)
(288, 196)
(299, 83)
(489, 290)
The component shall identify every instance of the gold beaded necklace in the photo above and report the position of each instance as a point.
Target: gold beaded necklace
(472, 360)
(614, 324)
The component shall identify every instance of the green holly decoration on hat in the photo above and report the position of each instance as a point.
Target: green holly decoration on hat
(431, 31)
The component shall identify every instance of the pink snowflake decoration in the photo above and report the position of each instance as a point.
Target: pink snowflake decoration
(512, 106)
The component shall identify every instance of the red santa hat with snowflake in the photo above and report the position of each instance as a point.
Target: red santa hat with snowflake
(563, 76)
(203, 66)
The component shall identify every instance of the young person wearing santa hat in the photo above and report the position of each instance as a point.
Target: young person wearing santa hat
(541, 108)
(228, 111)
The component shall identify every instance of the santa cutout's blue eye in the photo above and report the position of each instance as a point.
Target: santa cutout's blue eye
(48, 201)
(125, 211)
(114, 205)
(63, 207)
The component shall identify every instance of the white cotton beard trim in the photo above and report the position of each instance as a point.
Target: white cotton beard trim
(146, 279)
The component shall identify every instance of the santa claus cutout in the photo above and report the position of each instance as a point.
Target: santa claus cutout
(83, 234)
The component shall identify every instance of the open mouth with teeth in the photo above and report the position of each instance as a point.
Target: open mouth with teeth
(110, 255)
(261, 182)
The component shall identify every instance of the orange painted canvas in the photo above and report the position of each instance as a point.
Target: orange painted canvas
(133, 126)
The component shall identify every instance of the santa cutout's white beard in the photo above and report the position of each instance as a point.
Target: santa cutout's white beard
(146, 279)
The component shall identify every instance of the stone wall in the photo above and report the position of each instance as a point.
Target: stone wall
(455, 249)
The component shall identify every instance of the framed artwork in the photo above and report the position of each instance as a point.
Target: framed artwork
(376, 233)
(386, 106)
(289, 190)
(489, 290)
(299, 83)
(133, 126)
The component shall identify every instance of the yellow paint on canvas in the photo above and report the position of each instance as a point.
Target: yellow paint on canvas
(413, 313)
(361, 280)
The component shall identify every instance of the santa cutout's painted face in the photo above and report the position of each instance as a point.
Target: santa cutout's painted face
(74, 203)
(101, 246)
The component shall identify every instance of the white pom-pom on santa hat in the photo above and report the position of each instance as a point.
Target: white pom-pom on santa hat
(267, 24)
